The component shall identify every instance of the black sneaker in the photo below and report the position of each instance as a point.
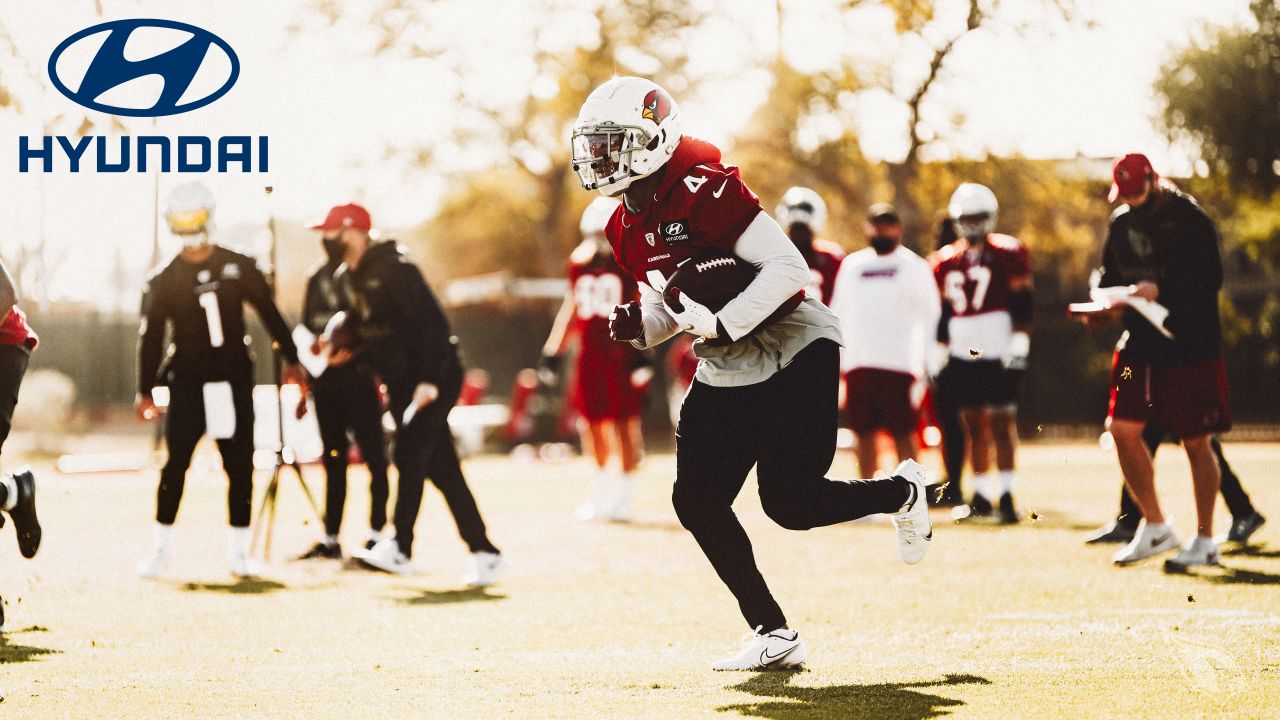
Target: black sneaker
(1114, 532)
(1008, 515)
(979, 506)
(1243, 528)
(322, 551)
(24, 513)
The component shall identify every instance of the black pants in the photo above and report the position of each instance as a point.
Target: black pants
(1232, 492)
(13, 366)
(424, 448)
(184, 426)
(946, 409)
(786, 427)
(347, 400)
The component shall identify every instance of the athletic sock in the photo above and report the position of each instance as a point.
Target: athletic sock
(8, 492)
(1006, 481)
(163, 536)
(239, 538)
(983, 486)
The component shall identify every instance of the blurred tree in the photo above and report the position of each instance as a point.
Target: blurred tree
(516, 149)
(1240, 70)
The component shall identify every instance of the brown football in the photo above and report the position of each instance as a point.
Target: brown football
(710, 278)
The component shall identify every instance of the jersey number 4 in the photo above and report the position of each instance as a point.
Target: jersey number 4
(953, 286)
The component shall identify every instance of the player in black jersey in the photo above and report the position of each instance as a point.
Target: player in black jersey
(199, 296)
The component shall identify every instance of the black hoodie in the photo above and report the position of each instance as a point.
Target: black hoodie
(1173, 244)
(405, 336)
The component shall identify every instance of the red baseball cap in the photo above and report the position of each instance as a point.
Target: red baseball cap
(1128, 173)
(350, 215)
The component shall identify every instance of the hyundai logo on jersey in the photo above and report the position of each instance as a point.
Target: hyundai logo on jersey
(675, 232)
(144, 67)
(118, 78)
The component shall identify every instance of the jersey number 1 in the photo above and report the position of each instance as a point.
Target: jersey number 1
(209, 301)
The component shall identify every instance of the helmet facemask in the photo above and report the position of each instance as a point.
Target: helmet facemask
(975, 227)
(602, 156)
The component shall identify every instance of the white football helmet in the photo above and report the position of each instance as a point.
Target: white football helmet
(626, 129)
(973, 208)
(596, 216)
(189, 211)
(802, 205)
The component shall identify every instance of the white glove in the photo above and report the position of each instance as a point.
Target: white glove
(1015, 358)
(935, 358)
(695, 317)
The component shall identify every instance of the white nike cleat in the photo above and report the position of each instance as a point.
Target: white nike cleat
(1200, 551)
(778, 650)
(915, 529)
(385, 555)
(484, 569)
(1149, 540)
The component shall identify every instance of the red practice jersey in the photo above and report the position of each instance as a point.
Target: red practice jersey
(14, 330)
(701, 205)
(824, 263)
(597, 284)
(976, 284)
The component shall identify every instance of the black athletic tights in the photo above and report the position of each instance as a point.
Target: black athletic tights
(347, 399)
(184, 425)
(424, 448)
(786, 427)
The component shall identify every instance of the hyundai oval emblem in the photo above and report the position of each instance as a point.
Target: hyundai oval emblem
(116, 63)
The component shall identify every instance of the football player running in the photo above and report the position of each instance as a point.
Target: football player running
(803, 214)
(764, 394)
(609, 378)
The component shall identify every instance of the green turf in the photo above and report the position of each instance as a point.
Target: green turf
(606, 621)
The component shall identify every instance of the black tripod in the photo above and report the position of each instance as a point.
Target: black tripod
(285, 457)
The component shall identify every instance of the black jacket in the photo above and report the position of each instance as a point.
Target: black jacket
(204, 304)
(321, 301)
(1174, 245)
(404, 334)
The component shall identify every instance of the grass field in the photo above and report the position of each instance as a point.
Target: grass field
(606, 621)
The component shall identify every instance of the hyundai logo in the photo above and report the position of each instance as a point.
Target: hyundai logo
(143, 67)
(675, 229)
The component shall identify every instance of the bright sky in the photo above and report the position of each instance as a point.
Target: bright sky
(330, 109)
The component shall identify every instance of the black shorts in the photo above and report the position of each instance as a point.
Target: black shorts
(981, 384)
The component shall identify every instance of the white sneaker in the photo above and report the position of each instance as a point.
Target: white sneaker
(601, 490)
(153, 565)
(778, 650)
(385, 555)
(620, 502)
(484, 570)
(1147, 542)
(1200, 551)
(238, 559)
(915, 529)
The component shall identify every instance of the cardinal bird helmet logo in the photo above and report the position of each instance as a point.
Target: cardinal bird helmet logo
(657, 106)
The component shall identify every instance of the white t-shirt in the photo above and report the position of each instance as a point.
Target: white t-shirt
(888, 307)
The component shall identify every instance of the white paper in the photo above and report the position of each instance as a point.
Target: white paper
(314, 363)
(219, 411)
(1153, 312)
